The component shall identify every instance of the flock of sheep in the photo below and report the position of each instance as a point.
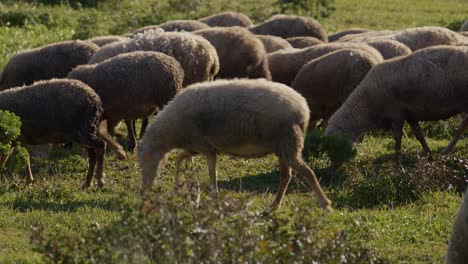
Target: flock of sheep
(274, 80)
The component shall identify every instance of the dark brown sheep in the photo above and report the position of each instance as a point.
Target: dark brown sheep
(59, 111)
(227, 19)
(273, 43)
(44, 63)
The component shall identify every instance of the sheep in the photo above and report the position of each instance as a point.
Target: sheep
(389, 48)
(241, 117)
(287, 26)
(175, 25)
(303, 42)
(195, 54)
(421, 37)
(351, 31)
(132, 85)
(464, 33)
(227, 19)
(58, 111)
(327, 81)
(364, 36)
(104, 40)
(464, 26)
(429, 84)
(273, 43)
(457, 253)
(285, 64)
(44, 63)
(241, 53)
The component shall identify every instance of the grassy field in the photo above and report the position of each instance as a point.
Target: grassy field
(387, 213)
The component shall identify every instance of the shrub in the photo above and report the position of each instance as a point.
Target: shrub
(337, 148)
(454, 25)
(10, 130)
(198, 228)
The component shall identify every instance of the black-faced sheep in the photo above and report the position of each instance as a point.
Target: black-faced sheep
(227, 19)
(352, 31)
(175, 25)
(132, 85)
(59, 111)
(303, 42)
(457, 253)
(288, 26)
(327, 81)
(429, 84)
(47, 62)
(247, 118)
(241, 53)
(285, 64)
(195, 54)
(104, 40)
(273, 43)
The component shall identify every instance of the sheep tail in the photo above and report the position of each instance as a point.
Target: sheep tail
(114, 145)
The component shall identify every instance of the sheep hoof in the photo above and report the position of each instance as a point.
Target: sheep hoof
(121, 154)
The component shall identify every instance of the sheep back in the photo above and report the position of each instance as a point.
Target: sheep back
(104, 40)
(54, 111)
(47, 62)
(352, 31)
(227, 19)
(241, 53)
(195, 54)
(327, 81)
(133, 85)
(273, 43)
(287, 26)
(303, 42)
(175, 25)
(389, 48)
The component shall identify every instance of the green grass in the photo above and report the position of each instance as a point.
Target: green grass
(404, 213)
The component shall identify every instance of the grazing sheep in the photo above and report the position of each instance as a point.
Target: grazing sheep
(327, 81)
(464, 26)
(285, 64)
(104, 40)
(273, 43)
(59, 111)
(195, 54)
(247, 118)
(227, 19)
(421, 37)
(132, 85)
(175, 25)
(241, 53)
(44, 63)
(288, 26)
(457, 253)
(303, 42)
(429, 84)
(352, 31)
(389, 48)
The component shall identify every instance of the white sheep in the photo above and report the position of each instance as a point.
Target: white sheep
(242, 117)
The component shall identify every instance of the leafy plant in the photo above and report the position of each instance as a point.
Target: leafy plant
(337, 148)
(10, 130)
(314, 8)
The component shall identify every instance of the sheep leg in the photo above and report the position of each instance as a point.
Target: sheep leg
(451, 146)
(212, 159)
(131, 135)
(397, 128)
(91, 165)
(29, 177)
(4, 158)
(144, 124)
(179, 181)
(107, 137)
(309, 175)
(285, 178)
(420, 136)
(100, 166)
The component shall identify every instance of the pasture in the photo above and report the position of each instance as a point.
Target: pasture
(383, 213)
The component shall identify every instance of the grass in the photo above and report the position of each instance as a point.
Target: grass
(402, 214)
